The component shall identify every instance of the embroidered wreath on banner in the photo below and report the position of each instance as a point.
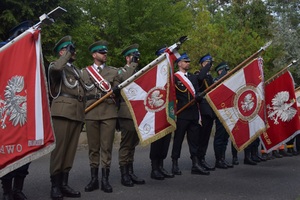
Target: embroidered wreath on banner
(155, 100)
(281, 108)
(247, 102)
(13, 106)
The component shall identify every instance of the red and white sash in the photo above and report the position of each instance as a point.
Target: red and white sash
(104, 85)
(186, 82)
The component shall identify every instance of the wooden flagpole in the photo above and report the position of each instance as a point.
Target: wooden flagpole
(127, 81)
(227, 75)
(175, 47)
(282, 71)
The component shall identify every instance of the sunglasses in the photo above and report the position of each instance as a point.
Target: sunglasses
(101, 52)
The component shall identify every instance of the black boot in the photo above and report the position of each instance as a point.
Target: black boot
(265, 156)
(196, 168)
(125, 178)
(155, 172)
(56, 181)
(66, 190)
(229, 165)
(205, 165)
(235, 160)
(7, 189)
(94, 183)
(163, 171)
(275, 154)
(247, 158)
(220, 164)
(105, 186)
(175, 168)
(292, 151)
(285, 153)
(18, 187)
(254, 154)
(134, 178)
(219, 161)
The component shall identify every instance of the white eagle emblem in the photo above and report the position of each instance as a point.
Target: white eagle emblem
(14, 106)
(281, 108)
(248, 103)
(156, 99)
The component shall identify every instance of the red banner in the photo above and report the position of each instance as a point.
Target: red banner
(297, 93)
(239, 104)
(25, 124)
(151, 101)
(282, 114)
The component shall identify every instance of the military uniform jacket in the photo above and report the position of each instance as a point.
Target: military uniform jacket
(106, 109)
(205, 80)
(69, 92)
(183, 97)
(125, 72)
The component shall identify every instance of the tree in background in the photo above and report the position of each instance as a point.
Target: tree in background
(286, 33)
(230, 30)
(151, 24)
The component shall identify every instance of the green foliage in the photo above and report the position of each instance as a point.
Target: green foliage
(230, 30)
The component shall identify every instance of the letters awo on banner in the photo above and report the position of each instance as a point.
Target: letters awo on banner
(281, 110)
(151, 101)
(25, 124)
(239, 104)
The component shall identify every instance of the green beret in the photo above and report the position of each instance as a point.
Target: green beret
(99, 46)
(62, 43)
(222, 65)
(129, 50)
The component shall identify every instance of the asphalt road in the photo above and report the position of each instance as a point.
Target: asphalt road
(277, 179)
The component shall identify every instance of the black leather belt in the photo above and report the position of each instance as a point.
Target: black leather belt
(78, 97)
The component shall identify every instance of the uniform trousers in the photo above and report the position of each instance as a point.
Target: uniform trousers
(191, 128)
(129, 140)
(220, 139)
(67, 134)
(100, 135)
(159, 148)
(297, 137)
(21, 172)
(204, 135)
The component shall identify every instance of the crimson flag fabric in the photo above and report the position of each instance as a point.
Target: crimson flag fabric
(239, 104)
(281, 110)
(297, 93)
(25, 125)
(151, 101)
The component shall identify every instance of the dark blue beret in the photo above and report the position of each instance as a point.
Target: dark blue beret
(183, 57)
(204, 58)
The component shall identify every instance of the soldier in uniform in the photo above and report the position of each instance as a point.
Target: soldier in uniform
(188, 120)
(129, 136)
(67, 110)
(159, 149)
(101, 120)
(12, 183)
(221, 135)
(207, 114)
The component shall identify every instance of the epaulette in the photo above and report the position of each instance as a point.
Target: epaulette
(121, 70)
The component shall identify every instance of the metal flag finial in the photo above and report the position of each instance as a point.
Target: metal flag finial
(266, 46)
(51, 16)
